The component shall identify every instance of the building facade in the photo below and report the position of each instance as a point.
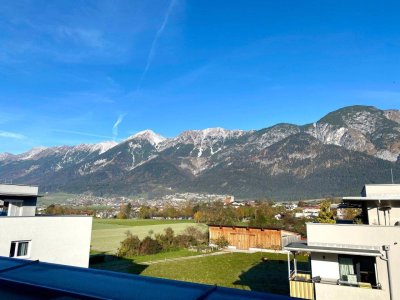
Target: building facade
(54, 239)
(353, 261)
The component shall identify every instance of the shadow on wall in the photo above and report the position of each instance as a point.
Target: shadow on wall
(268, 276)
(114, 263)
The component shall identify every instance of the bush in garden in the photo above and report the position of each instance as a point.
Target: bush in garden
(221, 242)
(149, 246)
(129, 246)
(198, 235)
(166, 240)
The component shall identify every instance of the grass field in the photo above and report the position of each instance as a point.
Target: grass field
(56, 198)
(107, 234)
(135, 266)
(237, 270)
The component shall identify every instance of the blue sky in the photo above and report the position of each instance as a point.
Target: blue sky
(87, 71)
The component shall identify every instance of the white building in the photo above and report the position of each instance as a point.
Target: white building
(353, 261)
(55, 239)
(308, 213)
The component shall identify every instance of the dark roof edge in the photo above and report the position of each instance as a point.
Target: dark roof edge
(247, 227)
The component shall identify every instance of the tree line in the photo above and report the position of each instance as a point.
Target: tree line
(132, 245)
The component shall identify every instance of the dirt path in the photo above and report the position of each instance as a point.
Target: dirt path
(181, 258)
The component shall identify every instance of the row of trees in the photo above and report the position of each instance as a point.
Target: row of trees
(190, 237)
(56, 209)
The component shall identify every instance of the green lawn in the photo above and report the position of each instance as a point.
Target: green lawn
(107, 234)
(133, 265)
(109, 223)
(55, 198)
(237, 270)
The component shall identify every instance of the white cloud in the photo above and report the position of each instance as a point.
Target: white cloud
(155, 40)
(11, 135)
(116, 124)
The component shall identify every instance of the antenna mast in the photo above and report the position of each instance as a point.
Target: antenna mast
(391, 172)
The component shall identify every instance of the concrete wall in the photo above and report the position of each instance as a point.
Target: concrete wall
(29, 207)
(333, 292)
(13, 189)
(377, 217)
(325, 265)
(62, 240)
(25, 207)
(362, 237)
(381, 190)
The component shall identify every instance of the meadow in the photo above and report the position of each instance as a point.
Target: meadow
(55, 198)
(264, 272)
(108, 233)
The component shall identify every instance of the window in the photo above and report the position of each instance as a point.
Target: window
(19, 249)
(357, 269)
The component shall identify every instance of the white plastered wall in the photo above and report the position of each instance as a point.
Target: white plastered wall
(61, 240)
(325, 265)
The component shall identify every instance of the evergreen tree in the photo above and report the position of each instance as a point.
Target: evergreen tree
(326, 215)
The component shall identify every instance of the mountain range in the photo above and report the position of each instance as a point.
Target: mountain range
(334, 156)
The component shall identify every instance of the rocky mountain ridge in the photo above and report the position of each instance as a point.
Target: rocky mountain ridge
(253, 163)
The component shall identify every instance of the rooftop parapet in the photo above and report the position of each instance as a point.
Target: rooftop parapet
(18, 190)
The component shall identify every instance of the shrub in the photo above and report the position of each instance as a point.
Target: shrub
(191, 237)
(199, 236)
(149, 246)
(221, 242)
(130, 246)
(185, 241)
(167, 239)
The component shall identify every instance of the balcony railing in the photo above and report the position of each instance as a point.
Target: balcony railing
(301, 285)
(325, 290)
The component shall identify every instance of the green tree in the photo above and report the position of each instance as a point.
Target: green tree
(124, 211)
(144, 212)
(326, 215)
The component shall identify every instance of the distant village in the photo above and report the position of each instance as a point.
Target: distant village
(109, 207)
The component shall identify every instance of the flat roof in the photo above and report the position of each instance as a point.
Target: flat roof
(381, 184)
(249, 227)
(337, 250)
(24, 279)
(373, 198)
(9, 195)
(19, 190)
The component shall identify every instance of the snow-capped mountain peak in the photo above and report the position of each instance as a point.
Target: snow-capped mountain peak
(198, 136)
(149, 135)
(104, 146)
(6, 155)
(32, 153)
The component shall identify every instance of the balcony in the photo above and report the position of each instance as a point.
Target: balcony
(304, 287)
(301, 285)
(329, 290)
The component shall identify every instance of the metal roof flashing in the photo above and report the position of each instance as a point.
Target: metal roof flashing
(303, 247)
(24, 279)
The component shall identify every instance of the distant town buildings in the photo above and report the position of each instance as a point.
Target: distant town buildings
(308, 212)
